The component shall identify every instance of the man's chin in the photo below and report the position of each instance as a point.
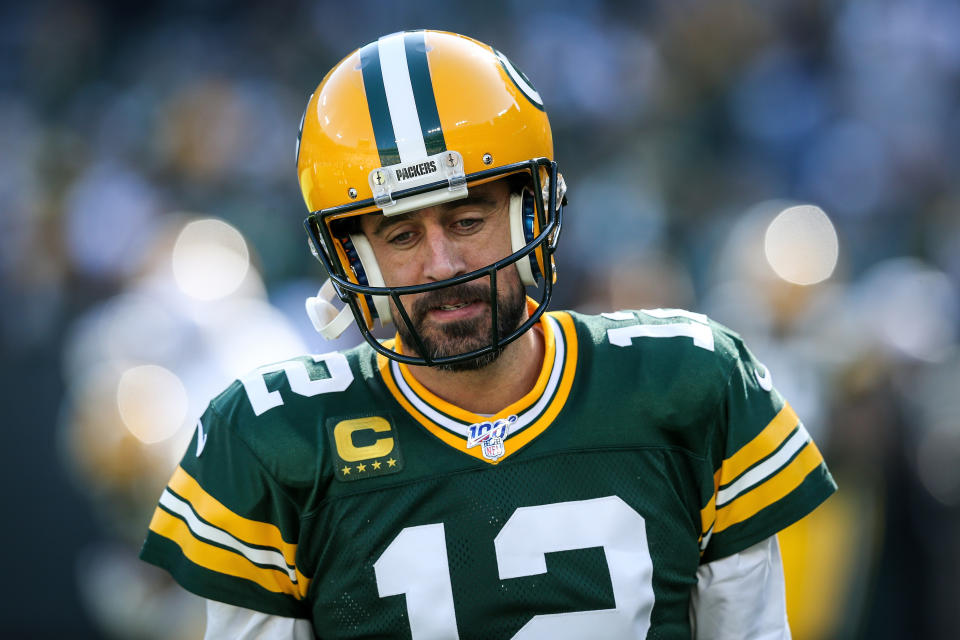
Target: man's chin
(455, 341)
(445, 346)
(457, 337)
(473, 364)
(455, 347)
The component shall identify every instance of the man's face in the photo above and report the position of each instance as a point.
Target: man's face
(441, 242)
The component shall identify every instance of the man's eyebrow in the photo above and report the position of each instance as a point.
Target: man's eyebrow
(388, 221)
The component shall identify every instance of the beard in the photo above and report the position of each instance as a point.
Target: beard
(457, 337)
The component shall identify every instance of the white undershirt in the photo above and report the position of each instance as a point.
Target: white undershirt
(236, 623)
(740, 597)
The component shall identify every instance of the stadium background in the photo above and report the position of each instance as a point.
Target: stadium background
(151, 250)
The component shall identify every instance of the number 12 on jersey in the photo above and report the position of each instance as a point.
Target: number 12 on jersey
(415, 564)
(699, 329)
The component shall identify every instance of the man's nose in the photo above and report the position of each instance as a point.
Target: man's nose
(442, 258)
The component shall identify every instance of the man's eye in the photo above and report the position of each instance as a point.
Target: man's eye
(401, 238)
(466, 224)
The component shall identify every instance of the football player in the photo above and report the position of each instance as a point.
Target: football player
(494, 470)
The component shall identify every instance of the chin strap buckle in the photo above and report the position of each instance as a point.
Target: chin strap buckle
(326, 319)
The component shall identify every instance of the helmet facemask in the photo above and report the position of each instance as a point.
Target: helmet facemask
(356, 280)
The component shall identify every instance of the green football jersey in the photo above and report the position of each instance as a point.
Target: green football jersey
(339, 489)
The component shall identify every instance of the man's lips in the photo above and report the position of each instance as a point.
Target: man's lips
(451, 304)
(455, 311)
(452, 307)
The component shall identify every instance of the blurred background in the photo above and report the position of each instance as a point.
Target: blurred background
(788, 167)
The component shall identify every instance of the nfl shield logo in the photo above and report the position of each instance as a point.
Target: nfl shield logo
(493, 448)
(489, 436)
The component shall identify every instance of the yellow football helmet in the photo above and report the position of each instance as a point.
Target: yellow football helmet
(410, 121)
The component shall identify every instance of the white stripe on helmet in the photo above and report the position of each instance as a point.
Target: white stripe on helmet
(400, 101)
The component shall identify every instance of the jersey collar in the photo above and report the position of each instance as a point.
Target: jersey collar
(534, 412)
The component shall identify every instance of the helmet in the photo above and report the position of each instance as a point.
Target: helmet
(412, 120)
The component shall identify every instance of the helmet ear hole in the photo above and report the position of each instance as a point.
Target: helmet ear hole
(523, 213)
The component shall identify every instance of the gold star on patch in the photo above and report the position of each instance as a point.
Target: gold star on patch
(391, 462)
(346, 471)
(361, 468)
(376, 465)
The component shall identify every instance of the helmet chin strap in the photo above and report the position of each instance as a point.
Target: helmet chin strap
(331, 322)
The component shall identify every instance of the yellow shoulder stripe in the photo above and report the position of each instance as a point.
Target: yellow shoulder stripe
(764, 495)
(708, 515)
(213, 511)
(220, 560)
(765, 443)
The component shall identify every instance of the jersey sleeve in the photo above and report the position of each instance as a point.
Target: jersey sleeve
(767, 473)
(225, 529)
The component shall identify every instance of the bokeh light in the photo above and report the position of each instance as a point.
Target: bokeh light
(152, 402)
(801, 245)
(210, 259)
(911, 308)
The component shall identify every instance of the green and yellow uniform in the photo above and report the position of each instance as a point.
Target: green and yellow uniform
(336, 488)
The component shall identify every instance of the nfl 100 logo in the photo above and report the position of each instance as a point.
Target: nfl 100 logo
(490, 435)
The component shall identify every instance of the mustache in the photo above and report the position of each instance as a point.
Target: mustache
(466, 292)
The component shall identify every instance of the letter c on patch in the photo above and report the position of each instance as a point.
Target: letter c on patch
(343, 435)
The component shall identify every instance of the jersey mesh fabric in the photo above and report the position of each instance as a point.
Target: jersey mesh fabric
(473, 507)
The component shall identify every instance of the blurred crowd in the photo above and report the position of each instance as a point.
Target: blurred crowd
(787, 167)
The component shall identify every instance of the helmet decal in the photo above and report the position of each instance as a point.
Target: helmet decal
(521, 81)
(399, 91)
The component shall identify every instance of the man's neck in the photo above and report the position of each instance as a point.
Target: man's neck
(501, 383)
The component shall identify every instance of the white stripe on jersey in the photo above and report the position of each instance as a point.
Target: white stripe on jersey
(766, 469)
(203, 530)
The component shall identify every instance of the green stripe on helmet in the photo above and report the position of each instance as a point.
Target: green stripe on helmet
(423, 95)
(377, 104)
